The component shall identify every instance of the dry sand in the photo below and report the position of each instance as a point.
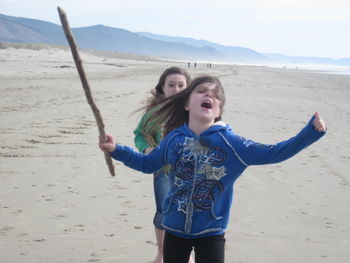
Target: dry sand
(58, 202)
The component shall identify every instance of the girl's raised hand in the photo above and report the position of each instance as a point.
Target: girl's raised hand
(318, 123)
(108, 146)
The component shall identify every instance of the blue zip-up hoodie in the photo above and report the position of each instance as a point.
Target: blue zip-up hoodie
(203, 171)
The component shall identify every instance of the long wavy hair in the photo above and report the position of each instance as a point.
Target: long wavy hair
(149, 131)
(172, 113)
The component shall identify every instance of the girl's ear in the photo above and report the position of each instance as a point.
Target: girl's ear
(219, 113)
(187, 108)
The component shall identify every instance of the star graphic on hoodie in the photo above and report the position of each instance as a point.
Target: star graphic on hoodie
(182, 206)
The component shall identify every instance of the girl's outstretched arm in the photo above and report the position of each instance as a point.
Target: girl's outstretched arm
(147, 163)
(253, 153)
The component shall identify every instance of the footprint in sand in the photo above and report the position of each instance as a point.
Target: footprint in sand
(58, 216)
(4, 230)
(18, 211)
(39, 240)
(127, 204)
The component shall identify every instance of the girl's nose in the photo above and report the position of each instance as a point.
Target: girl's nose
(209, 94)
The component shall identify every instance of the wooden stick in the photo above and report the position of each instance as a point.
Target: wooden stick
(86, 86)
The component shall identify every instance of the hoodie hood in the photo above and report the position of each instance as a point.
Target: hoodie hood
(218, 126)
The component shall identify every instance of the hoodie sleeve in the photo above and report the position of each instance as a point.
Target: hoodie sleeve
(146, 163)
(253, 153)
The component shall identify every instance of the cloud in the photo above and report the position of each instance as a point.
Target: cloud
(306, 18)
(293, 4)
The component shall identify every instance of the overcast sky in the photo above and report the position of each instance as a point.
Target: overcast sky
(290, 27)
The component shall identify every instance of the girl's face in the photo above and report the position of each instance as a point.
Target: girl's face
(173, 84)
(203, 103)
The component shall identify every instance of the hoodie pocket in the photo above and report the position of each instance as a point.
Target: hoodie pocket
(216, 217)
(167, 205)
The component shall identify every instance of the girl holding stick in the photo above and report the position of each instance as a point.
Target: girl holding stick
(205, 157)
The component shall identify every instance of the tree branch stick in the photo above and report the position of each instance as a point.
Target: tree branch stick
(86, 86)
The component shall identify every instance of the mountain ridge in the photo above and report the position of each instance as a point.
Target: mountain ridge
(105, 38)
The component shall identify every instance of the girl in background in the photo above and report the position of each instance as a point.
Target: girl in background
(171, 81)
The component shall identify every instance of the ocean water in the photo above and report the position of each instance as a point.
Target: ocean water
(326, 69)
(339, 70)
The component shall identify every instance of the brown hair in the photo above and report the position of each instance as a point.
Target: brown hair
(172, 113)
(149, 130)
(159, 93)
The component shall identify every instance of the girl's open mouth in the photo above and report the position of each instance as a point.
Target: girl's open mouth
(206, 104)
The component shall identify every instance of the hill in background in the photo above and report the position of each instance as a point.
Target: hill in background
(104, 38)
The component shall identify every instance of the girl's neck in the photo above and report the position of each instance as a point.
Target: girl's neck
(198, 127)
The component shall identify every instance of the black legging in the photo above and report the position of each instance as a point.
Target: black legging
(207, 249)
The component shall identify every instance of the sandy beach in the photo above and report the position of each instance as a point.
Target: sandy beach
(58, 202)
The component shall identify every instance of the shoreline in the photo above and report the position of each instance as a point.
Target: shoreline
(314, 68)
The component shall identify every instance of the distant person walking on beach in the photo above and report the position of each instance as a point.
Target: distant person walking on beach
(205, 157)
(171, 81)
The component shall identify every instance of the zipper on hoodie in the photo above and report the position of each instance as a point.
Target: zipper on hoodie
(189, 209)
